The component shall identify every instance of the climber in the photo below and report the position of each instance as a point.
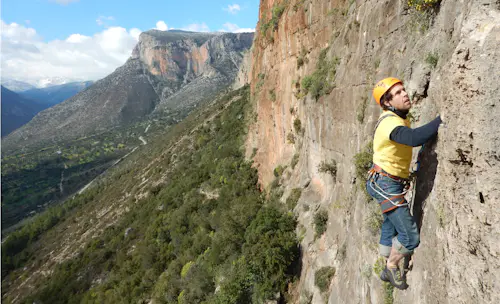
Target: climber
(388, 179)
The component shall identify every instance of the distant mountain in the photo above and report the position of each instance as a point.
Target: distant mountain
(53, 95)
(16, 110)
(51, 81)
(169, 73)
(16, 86)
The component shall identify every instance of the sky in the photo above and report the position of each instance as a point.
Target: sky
(88, 39)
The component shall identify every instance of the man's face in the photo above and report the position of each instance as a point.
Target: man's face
(400, 99)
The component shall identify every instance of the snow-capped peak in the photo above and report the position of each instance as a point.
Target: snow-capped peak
(52, 81)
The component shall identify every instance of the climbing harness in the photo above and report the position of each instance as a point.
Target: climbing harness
(373, 175)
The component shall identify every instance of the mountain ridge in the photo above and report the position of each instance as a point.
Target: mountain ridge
(17, 110)
(160, 65)
(55, 94)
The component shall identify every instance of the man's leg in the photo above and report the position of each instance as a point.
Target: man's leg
(394, 258)
(387, 233)
(403, 244)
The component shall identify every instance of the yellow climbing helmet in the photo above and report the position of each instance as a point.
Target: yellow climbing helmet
(383, 86)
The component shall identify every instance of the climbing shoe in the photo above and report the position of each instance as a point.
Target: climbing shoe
(394, 276)
(384, 276)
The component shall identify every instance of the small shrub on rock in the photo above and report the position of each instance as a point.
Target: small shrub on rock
(424, 5)
(293, 198)
(328, 167)
(320, 220)
(278, 171)
(323, 277)
(295, 160)
(363, 161)
(297, 125)
(432, 59)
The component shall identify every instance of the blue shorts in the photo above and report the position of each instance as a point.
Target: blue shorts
(399, 229)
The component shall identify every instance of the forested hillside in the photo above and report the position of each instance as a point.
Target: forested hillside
(189, 219)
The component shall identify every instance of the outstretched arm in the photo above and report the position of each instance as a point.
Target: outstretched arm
(415, 137)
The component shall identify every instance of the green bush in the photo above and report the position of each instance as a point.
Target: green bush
(432, 59)
(388, 293)
(271, 243)
(276, 15)
(293, 198)
(272, 95)
(185, 269)
(302, 58)
(254, 152)
(260, 82)
(278, 171)
(366, 271)
(424, 5)
(297, 125)
(320, 221)
(272, 23)
(323, 277)
(290, 138)
(295, 160)
(307, 83)
(320, 82)
(379, 265)
(363, 161)
(328, 167)
(342, 252)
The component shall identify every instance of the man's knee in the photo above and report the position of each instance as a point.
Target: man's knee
(413, 241)
(406, 244)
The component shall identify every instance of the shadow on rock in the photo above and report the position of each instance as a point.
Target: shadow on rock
(425, 181)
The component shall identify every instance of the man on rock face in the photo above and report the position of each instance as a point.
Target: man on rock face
(388, 179)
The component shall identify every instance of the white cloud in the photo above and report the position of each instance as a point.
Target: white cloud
(135, 32)
(18, 33)
(231, 27)
(233, 9)
(26, 57)
(196, 27)
(161, 25)
(77, 38)
(103, 20)
(64, 2)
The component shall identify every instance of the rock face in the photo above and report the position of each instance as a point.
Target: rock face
(168, 71)
(449, 62)
(245, 71)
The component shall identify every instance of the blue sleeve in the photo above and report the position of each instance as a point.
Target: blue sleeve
(415, 137)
